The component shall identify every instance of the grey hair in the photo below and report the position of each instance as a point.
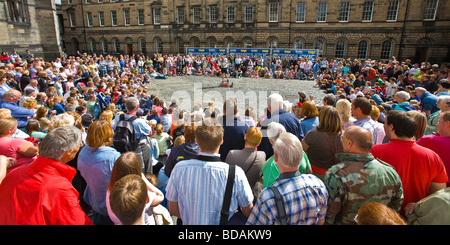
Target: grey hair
(274, 129)
(132, 104)
(275, 102)
(288, 149)
(12, 93)
(443, 100)
(403, 95)
(63, 120)
(58, 141)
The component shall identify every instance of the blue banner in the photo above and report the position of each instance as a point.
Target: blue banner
(296, 53)
(207, 51)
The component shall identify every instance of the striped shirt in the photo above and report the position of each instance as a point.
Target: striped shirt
(305, 201)
(376, 128)
(199, 187)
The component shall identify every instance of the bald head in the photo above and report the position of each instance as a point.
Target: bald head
(361, 139)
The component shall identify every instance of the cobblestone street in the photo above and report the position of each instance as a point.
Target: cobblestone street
(189, 90)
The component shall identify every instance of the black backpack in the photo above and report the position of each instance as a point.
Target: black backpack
(124, 138)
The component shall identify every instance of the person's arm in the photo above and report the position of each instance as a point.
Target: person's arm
(246, 211)
(435, 187)
(5, 163)
(159, 196)
(173, 209)
(28, 150)
(305, 146)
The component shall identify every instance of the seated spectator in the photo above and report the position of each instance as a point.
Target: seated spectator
(154, 116)
(39, 202)
(22, 150)
(10, 100)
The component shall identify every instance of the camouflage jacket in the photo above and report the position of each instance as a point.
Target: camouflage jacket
(358, 179)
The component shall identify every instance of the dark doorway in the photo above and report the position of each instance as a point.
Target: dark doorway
(129, 49)
(421, 53)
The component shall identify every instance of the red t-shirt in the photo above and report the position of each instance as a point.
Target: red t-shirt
(416, 165)
(440, 145)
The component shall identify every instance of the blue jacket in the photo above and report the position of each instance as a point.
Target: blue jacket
(19, 113)
(290, 122)
(428, 101)
(234, 131)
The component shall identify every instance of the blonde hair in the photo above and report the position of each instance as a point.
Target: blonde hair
(29, 103)
(5, 113)
(106, 115)
(179, 140)
(253, 136)
(374, 113)
(7, 124)
(344, 108)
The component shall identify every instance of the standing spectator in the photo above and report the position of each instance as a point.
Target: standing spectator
(311, 116)
(344, 107)
(375, 213)
(41, 193)
(128, 200)
(196, 187)
(321, 144)
(304, 195)
(440, 143)
(130, 164)
(95, 162)
(250, 160)
(361, 108)
(163, 140)
(233, 129)
(186, 151)
(270, 169)
(376, 180)
(421, 169)
(278, 114)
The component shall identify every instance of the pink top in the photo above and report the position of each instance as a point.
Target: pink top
(10, 147)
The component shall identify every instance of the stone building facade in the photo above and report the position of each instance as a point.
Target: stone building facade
(376, 29)
(30, 24)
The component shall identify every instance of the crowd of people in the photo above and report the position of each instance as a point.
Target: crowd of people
(84, 141)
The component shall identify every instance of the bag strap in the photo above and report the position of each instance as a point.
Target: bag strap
(254, 159)
(280, 205)
(227, 198)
